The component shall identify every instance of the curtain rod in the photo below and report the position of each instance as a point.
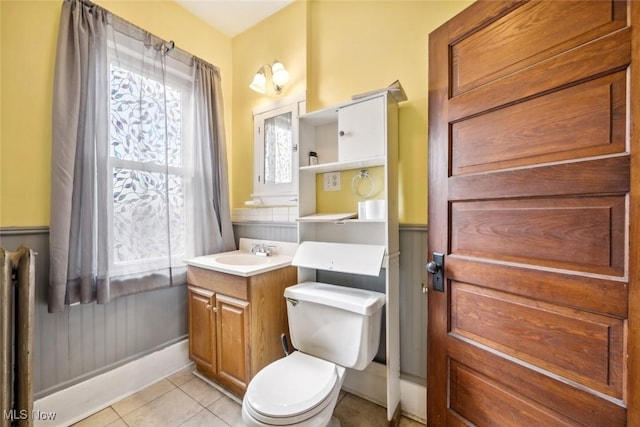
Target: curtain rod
(167, 46)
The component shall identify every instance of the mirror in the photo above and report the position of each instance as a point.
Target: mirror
(278, 149)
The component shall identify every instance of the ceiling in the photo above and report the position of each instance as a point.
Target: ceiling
(232, 17)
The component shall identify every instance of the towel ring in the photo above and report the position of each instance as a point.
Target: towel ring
(355, 184)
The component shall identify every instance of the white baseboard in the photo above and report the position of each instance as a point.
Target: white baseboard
(413, 400)
(88, 397)
(371, 384)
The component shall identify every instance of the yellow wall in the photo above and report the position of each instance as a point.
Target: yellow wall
(332, 48)
(29, 31)
(283, 37)
(28, 40)
(344, 200)
(352, 46)
(357, 46)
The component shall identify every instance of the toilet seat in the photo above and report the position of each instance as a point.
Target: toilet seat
(291, 390)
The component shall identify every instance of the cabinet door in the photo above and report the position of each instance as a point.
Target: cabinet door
(233, 346)
(361, 130)
(202, 330)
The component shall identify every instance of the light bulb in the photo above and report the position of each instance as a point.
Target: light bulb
(259, 83)
(280, 74)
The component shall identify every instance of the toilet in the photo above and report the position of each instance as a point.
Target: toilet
(333, 328)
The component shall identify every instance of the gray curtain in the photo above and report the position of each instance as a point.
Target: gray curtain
(211, 152)
(85, 172)
(79, 128)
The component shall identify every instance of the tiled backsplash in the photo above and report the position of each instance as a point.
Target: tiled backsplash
(266, 214)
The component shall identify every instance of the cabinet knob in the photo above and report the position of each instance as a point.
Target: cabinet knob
(215, 309)
(341, 133)
(209, 306)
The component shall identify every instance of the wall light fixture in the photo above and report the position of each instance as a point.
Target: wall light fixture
(279, 78)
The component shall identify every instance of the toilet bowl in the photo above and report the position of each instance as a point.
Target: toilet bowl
(333, 328)
(299, 390)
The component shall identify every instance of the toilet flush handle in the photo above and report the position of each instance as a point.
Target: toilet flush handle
(293, 302)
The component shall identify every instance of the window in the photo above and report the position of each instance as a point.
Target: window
(148, 147)
(276, 153)
(138, 160)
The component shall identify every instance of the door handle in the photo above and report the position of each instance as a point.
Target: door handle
(436, 268)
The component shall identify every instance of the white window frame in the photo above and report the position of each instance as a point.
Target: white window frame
(127, 59)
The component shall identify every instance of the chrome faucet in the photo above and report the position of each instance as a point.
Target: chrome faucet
(256, 247)
(260, 249)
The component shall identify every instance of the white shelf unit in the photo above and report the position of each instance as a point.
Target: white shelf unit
(341, 166)
(327, 132)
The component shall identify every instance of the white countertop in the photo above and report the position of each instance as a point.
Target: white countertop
(240, 262)
(211, 262)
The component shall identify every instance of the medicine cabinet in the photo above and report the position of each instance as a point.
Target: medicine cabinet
(275, 171)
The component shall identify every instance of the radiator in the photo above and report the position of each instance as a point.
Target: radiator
(17, 290)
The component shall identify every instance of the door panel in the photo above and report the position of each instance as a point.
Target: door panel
(581, 346)
(513, 41)
(529, 184)
(554, 393)
(478, 399)
(584, 234)
(580, 121)
(602, 56)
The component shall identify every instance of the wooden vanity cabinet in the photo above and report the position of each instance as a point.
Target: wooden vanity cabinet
(233, 341)
(202, 328)
(235, 323)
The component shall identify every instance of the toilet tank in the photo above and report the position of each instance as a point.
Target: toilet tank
(335, 323)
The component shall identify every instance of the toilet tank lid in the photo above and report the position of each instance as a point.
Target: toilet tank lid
(359, 301)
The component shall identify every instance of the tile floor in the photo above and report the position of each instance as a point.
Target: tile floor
(185, 400)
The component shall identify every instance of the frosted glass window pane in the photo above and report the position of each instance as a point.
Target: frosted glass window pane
(138, 114)
(146, 149)
(142, 211)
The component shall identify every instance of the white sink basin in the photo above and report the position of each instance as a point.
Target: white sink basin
(242, 259)
(244, 263)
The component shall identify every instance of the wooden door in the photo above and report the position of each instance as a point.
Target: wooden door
(202, 330)
(233, 346)
(529, 200)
